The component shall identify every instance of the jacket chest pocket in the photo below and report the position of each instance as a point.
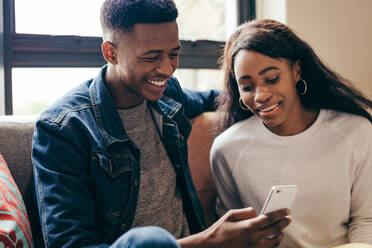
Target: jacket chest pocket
(113, 187)
(115, 165)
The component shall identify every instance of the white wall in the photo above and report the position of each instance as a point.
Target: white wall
(340, 31)
(271, 9)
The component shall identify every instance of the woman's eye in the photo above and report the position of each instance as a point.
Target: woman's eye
(273, 80)
(247, 88)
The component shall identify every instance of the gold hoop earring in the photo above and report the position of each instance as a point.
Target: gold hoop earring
(304, 86)
(242, 104)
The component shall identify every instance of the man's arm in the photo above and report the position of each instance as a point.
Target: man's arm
(62, 186)
(241, 228)
(197, 102)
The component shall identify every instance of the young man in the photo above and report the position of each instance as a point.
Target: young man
(111, 158)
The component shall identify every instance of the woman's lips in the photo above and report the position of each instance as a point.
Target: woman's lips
(268, 111)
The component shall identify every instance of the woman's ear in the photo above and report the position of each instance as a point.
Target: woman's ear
(109, 52)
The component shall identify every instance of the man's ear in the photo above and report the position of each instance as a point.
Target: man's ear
(297, 70)
(109, 52)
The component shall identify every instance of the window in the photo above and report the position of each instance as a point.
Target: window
(34, 89)
(48, 47)
(55, 17)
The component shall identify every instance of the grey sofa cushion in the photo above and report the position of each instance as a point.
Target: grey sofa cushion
(15, 145)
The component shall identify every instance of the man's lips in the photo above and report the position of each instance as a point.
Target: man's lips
(157, 82)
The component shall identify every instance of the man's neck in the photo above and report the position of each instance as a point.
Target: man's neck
(119, 93)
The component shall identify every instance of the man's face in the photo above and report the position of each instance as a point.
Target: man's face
(146, 58)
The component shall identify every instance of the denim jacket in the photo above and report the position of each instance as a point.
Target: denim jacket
(87, 170)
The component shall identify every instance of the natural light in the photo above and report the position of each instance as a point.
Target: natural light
(34, 89)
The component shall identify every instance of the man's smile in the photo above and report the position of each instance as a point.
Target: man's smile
(157, 82)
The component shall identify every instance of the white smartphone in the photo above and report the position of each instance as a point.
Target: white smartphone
(279, 197)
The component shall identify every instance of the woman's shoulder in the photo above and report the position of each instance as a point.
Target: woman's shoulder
(238, 132)
(347, 121)
(234, 141)
(354, 130)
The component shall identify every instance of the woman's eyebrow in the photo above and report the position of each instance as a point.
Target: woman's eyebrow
(268, 69)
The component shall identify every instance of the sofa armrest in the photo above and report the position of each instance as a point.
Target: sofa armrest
(199, 144)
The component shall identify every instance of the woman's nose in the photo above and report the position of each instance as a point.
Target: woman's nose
(262, 94)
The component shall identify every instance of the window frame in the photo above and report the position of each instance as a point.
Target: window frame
(31, 50)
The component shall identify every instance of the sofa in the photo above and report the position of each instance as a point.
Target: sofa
(15, 145)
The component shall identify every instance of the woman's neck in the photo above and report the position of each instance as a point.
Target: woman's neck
(299, 123)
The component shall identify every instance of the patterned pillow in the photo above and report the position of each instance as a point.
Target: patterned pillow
(15, 230)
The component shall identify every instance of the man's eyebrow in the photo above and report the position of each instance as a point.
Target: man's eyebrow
(268, 69)
(177, 48)
(150, 52)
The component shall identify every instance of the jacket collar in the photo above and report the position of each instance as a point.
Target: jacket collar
(166, 106)
(108, 118)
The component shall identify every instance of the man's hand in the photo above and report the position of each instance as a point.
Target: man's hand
(242, 228)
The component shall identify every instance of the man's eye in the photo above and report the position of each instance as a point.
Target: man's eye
(273, 80)
(151, 58)
(173, 55)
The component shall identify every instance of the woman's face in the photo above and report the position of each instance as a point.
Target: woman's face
(267, 86)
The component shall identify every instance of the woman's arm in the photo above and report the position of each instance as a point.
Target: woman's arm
(360, 225)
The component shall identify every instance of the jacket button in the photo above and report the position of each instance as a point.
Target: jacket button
(135, 183)
(123, 226)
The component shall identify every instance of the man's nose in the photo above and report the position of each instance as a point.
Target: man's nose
(165, 68)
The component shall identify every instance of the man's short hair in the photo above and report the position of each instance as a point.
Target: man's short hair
(122, 15)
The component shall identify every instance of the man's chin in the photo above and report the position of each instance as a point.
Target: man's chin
(153, 98)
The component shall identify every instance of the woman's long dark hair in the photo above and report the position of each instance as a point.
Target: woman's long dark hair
(326, 89)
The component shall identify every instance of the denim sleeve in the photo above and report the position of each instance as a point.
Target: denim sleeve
(62, 184)
(197, 102)
(194, 102)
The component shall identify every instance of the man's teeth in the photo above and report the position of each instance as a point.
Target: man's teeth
(157, 83)
(269, 108)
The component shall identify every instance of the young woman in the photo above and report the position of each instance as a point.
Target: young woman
(289, 119)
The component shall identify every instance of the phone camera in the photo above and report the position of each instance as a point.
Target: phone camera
(278, 191)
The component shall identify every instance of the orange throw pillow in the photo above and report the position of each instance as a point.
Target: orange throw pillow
(15, 230)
